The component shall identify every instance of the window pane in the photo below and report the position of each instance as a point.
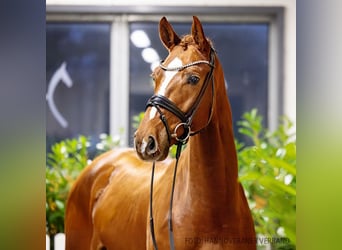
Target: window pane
(80, 51)
(243, 52)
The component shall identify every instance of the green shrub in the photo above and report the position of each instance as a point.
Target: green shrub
(267, 171)
(64, 163)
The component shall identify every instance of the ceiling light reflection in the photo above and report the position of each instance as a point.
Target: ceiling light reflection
(140, 39)
(150, 55)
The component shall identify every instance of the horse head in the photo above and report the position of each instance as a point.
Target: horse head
(182, 102)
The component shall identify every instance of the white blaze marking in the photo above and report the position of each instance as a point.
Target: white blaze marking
(153, 113)
(168, 77)
(143, 146)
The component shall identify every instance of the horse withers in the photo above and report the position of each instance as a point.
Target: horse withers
(110, 204)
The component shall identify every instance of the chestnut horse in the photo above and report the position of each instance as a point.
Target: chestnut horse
(109, 204)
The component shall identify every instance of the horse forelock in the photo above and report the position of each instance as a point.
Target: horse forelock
(188, 40)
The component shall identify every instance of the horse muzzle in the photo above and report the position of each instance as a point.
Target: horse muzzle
(148, 148)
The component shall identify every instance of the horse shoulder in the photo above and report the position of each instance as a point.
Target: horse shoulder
(94, 177)
(120, 211)
(84, 192)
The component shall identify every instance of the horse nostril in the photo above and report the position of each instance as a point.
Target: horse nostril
(151, 146)
(151, 143)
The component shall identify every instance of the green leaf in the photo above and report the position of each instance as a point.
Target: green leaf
(246, 131)
(276, 186)
(250, 176)
(60, 204)
(274, 162)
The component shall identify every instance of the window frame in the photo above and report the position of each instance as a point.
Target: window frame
(281, 88)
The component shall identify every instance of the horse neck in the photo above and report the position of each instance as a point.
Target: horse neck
(212, 161)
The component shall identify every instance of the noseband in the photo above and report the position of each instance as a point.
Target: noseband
(160, 101)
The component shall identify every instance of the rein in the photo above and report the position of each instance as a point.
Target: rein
(160, 101)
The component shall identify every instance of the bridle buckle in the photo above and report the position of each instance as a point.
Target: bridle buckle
(185, 136)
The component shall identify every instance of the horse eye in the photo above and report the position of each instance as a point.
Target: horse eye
(193, 79)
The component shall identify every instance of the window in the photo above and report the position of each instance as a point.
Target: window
(77, 77)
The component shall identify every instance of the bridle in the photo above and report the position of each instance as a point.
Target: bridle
(160, 101)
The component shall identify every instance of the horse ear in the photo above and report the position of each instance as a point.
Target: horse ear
(167, 35)
(198, 34)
